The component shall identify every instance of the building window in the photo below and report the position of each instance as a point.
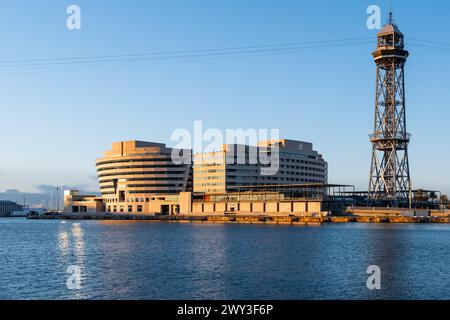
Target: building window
(130, 208)
(139, 208)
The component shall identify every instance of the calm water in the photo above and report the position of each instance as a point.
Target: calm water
(140, 260)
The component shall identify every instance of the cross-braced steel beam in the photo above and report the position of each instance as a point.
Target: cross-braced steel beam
(390, 181)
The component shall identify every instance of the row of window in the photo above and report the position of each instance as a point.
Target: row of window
(286, 155)
(256, 170)
(241, 182)
(177, 170)
(279, 175)
(302, 168)
(166, 185)
(216, 160)
(137, 199)
(163, 165)
(318, 163)
(146, 159)
(210, 184)
(142, 199)
(109, 193)
(209, 178)
(209, 164)
(122, 209)
(204, 171)
(155, 191)
(181, 177)
(245, 162)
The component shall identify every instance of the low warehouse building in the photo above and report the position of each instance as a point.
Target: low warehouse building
(297, 200)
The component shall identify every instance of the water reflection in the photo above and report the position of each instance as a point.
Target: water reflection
(63, 243)
(72, 255)
(78, 236)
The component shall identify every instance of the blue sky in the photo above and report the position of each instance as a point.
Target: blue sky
(56, 121)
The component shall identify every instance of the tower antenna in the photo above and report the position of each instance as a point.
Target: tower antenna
(391, 15)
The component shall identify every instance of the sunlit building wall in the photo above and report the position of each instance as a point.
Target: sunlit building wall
(135, 173)
(298, 163)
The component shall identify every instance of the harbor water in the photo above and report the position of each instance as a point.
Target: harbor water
(151, 260)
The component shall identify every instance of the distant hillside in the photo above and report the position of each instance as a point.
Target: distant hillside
(47, 197)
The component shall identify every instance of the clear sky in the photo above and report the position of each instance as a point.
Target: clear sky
(55, 121)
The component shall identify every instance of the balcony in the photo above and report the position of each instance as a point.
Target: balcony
(399, 136)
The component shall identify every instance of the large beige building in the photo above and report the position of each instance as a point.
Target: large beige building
(277, 177)
(275, 162)
(133, 173)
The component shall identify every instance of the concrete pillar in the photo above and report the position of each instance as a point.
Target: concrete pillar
(185, 202)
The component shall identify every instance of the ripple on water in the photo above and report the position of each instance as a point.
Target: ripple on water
(139, 260)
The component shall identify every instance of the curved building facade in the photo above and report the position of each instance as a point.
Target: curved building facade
(135, 173)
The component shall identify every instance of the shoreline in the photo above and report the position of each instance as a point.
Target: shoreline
(253, 219)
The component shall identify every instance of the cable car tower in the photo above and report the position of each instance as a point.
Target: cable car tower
(390, 181)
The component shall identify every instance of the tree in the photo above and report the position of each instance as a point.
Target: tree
(421, 196)
(444, 201)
